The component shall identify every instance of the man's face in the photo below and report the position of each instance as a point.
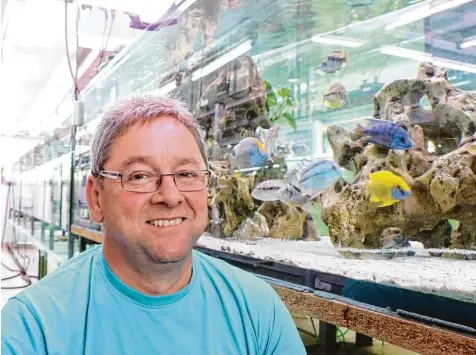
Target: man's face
(162, 145)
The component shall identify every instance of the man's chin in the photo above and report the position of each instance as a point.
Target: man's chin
(164, 254)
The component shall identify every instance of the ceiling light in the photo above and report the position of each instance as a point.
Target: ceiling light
(339, 41)
(468, 44)
(221, 61)
(424, 10)
(427, 57)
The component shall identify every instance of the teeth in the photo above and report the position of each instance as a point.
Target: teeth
(166, 222)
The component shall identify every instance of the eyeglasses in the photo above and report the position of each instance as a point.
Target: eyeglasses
(149, 181)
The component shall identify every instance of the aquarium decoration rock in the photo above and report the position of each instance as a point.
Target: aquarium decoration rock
(443, 181)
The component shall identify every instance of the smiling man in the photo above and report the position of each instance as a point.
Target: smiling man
(145, 291)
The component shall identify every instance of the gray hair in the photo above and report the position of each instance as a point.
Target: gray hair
(121, 115)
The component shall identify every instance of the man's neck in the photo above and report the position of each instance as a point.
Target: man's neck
(153, 280)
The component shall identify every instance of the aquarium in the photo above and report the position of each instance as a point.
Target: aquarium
(40, 192)
(341, 133)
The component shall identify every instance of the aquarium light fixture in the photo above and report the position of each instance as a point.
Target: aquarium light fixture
(427, 57)
(221, 61)
(467, 44)
(339, 41)
(424, 11)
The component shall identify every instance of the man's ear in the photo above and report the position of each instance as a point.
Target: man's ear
(93, 191)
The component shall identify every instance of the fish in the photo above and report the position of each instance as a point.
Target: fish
(334, 61)
(266, 190)
(292, 177)
(386, 188)
(271, 141)
(468, 140)
(261, 133)
(269, 137)
(384, 133)
(299, 149)
(292, 196)
(249, 153)
(318, 176)
(335, 96)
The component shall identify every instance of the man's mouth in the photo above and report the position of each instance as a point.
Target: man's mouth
(166, 222)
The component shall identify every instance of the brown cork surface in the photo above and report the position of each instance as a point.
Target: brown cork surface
(407, 334)
(95, 236)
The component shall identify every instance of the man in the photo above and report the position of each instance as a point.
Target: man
(144, 291)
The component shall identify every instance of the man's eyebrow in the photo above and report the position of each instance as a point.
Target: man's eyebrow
(136, 159)
(188, 161)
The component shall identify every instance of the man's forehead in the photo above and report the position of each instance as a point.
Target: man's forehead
(154, 161)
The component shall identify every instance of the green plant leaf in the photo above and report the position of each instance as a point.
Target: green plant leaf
(290, 120)
(271, 100)
(284, 93)
(289, 101)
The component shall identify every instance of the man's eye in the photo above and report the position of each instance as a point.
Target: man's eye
(187, 174)
(139, 176)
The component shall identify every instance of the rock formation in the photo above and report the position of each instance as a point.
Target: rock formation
(443, 180)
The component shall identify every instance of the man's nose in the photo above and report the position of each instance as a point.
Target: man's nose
(167, 192)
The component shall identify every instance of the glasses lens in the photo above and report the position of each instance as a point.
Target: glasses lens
(192, 180)
(139, 181)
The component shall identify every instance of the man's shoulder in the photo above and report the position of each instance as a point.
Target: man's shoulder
(221, 271)
(65, 280)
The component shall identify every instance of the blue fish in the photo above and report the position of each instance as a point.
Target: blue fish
(250, 153)
(384, 133)
(318, 176)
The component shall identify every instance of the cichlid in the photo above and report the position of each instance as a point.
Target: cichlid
(386, 188)
(271, 141)
(249, 153)
(318, 176)
(299, 149)
(292, 196)
(266, 190)
(335, 96)
(384, 133)
(260, 133)
(334, 61)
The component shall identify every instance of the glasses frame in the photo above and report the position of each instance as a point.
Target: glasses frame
(115, 175)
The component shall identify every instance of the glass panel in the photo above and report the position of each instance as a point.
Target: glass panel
(335, 91)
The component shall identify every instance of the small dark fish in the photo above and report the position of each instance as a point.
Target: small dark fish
(335, 96)
(300, 149)
(335, 61)
(384, 133)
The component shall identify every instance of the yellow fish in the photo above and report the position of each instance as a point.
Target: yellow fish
(387, 188)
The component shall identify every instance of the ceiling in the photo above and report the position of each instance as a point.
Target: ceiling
(35, 77)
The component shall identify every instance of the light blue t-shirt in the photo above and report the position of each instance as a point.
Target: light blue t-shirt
(83, 308)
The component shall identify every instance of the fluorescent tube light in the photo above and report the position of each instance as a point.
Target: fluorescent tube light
(427, 57)
(468, 44)
(345, 42)
(221, 61)
(407, 53)
(164, 89)
(425, 10)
